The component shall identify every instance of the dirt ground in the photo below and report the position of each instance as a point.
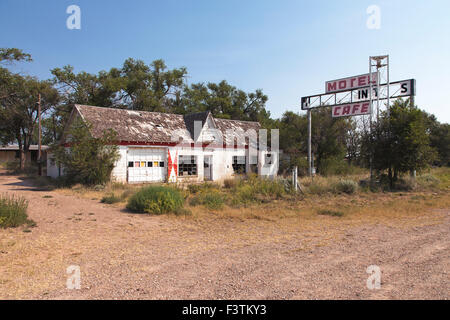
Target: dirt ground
(128, 256)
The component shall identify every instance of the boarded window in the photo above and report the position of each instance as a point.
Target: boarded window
(187, 165)
(239, 164)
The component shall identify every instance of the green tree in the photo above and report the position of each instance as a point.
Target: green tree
(19, 114)
(225, 101)
(439, 139)
(89, 160)
(13, 55)
(150, 87)
(19, 103)
(79, 88)
(400, 143)
(329, 137)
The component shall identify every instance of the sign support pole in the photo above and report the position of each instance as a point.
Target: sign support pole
(370, 117)
(309, 143)
(388, 93)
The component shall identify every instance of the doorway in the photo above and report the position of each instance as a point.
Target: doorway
(207, 168)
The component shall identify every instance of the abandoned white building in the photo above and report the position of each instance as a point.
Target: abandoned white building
(162, 147)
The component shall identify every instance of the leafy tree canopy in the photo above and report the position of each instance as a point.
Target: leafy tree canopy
(90, 160)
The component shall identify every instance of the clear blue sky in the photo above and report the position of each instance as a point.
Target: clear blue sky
(287, 48)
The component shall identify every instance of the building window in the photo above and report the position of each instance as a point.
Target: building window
(187, 165)
(150, 164)
(130, 164)
(239, 164)
(268, 159)
(161, 164)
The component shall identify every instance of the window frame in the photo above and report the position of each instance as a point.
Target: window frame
(238, 166)
(187, 164)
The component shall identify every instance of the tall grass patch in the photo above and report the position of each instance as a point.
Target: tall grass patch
(211, 200)
(156, 200)
(256, 189)
(428, 181)
(346, 186)
(13, 211)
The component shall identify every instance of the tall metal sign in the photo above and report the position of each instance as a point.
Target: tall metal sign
(357, 95)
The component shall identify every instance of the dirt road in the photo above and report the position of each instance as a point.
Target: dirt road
(127, 256)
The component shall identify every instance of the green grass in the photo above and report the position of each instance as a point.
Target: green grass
(13, 211)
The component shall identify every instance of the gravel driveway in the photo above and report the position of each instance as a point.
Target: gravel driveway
(126, 256)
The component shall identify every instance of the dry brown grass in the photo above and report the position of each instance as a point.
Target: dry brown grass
(123, 191)
(318, 195)
(73, 229)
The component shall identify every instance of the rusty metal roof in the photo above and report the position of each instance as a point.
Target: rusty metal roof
(155, 127)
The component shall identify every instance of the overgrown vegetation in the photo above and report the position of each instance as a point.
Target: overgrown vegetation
(238, 192)
(156, 200)
(213, 200)
(13, 211)
(400, 142)
(90, 159)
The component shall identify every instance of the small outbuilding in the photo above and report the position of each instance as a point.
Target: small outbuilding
(11, 153)
(163, 147)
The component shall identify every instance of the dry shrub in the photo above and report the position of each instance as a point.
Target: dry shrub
(346, 186)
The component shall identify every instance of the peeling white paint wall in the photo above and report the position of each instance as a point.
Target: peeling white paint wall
(119, 173)
(222, 163)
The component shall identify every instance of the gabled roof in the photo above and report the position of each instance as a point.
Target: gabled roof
(190, 119)
(155, 127)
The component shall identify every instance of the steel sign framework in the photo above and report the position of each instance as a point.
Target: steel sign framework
(354, 96)
(399, 89)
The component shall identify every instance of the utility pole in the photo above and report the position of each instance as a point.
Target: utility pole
(40, 137)
(309, 143)
(370, 118)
